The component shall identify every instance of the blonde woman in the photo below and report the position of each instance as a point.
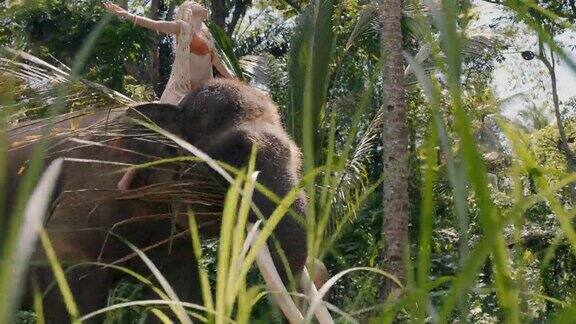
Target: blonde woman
(194, 49)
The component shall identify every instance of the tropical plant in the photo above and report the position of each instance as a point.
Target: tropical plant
(491, 232)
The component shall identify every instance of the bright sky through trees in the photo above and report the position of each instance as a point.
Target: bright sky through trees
(514, 75)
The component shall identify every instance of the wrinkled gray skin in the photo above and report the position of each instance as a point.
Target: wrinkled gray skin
(222, 118)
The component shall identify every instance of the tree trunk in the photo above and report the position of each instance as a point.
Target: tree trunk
(563, 143)
(123, 4)
(219, 13)
(154, 71)
(395, 144)
(240, 8)
(222, 9)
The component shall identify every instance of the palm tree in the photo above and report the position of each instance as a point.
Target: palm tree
(395, 143)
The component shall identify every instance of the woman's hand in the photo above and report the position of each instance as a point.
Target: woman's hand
(114, 9)
(167, 27)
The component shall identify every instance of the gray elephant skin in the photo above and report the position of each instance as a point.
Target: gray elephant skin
(222, 118)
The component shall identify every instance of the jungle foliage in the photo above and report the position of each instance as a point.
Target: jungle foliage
(492, 236)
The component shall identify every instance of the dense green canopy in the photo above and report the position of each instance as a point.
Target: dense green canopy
(491, 231)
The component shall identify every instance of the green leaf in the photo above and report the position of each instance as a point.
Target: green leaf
(226, 49)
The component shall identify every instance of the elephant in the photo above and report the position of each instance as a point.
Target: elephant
(95, 195)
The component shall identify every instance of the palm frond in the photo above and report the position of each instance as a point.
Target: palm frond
(225, 48)
(368, 20)
(255, 67)
(354, 184)
(476, 45)
(368, 15)
(354, 176)
(36, 85)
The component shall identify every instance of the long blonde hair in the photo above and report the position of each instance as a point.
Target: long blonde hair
(184, 11)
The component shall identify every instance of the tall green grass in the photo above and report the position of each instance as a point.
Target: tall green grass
(423, 297)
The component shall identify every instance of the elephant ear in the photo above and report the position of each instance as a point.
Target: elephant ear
(166, 116)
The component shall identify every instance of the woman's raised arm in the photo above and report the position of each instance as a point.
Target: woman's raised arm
(166, 27)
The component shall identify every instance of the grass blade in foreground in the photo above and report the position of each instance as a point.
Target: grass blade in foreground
(33, 217)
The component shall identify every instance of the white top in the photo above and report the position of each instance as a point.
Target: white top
(189, 69)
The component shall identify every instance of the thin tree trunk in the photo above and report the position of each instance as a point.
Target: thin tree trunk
(563, 144)
(219, 13)
(240, 8)
(130, 68)
(154, 72)
(395, 143)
